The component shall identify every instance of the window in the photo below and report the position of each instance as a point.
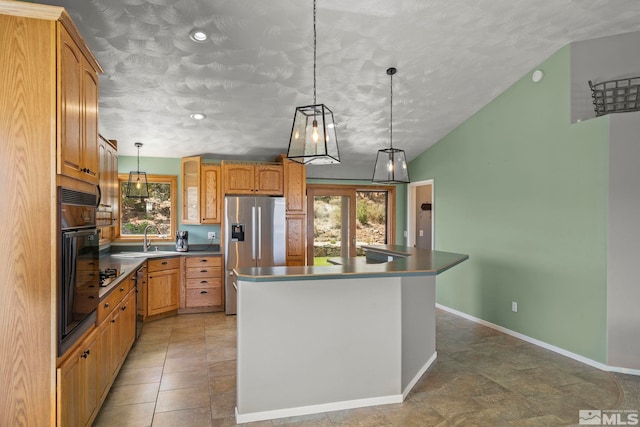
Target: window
(158, 210)
(343, 218)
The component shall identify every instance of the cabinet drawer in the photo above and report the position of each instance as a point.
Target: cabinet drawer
(106, 306)
(163, 264)
(204, 297)
(206, 261)
(194, 273)
(203, 282)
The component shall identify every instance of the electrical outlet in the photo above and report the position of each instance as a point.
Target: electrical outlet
(406, 233)
(514, 306)
(211, 235)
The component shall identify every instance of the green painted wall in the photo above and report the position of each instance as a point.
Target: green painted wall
(524, 193)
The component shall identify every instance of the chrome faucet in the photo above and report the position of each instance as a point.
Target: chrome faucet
(146, 242)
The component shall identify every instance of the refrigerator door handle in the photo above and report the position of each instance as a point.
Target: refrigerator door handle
(253, 232)
(259, 233)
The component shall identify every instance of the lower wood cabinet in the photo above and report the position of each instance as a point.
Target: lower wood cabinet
(85, 375)
(163, 285)
(203, 282)
(77, 392)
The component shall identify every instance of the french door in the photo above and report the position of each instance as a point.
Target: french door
(341, 218)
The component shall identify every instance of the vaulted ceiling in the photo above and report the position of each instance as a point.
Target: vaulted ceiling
(452, 56)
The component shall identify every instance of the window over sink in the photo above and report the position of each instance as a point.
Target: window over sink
(158, 210)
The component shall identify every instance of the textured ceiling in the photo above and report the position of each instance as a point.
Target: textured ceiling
(453, 57)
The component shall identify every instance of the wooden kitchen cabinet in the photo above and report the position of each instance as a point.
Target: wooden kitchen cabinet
(210, 200)
(78, 110)
(295, 193)
(107, 212)
(41, 101)
(296, 240)
(163, 285)
(253, 178)
(116, 333)
(203, 283)
(76, 380)
(190, 190)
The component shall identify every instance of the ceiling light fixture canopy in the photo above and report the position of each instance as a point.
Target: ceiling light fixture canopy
(198, 36)
(391, 163)
(137, 186)
(313, 134)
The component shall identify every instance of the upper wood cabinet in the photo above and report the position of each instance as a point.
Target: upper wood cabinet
(78, 111)
(210, 200)
(201, 188)
(295, 186)
(107, 214)
(191, 190)
(253, 178)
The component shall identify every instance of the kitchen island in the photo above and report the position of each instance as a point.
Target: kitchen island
(315, 339)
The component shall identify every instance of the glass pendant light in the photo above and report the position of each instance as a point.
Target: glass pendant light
(137, 186)
(313, 135)
(391, 163)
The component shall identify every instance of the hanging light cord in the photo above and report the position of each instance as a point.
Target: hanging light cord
(138, 161)
(314, 52)
(391, 114)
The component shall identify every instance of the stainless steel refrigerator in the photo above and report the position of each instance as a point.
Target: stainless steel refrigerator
(254, 236)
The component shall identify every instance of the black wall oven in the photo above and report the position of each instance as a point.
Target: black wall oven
(78, 280)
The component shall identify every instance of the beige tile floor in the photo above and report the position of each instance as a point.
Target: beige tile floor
(181, 372)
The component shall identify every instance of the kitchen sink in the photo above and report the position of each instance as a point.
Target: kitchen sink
(150, 254)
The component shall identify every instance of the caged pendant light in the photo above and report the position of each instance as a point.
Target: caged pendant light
(137, 186)
(391, 163)
(313, 135)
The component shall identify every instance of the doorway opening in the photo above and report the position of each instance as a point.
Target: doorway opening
(341, 219)
(421, 214)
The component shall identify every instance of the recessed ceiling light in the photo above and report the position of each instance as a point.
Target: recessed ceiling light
(198, 36)
(198, 116)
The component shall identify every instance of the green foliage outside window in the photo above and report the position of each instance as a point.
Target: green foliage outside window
(136, 214)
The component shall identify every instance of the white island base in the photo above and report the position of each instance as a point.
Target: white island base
(311, 344)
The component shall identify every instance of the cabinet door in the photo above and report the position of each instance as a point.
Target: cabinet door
(210, 194)
(89, 153)
(269, 180)
(296, 249)
(77, 391)
(127, 325)
(238, 178)
(295, 187)
(191, 190)
(105, 347)
(112, 183)
(70, 99)
(78, 99)
(163, 291)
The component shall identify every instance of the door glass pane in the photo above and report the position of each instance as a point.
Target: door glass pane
(330, 228)
(371, 219)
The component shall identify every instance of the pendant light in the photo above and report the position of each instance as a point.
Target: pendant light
(313, 135)
(137, 186)
(391, 163)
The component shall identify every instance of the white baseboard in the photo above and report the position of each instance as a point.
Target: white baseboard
(419, 375)
(315, 409)
(539, 343)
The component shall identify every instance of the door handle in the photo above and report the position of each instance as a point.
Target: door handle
(259, 233)
(253, 232)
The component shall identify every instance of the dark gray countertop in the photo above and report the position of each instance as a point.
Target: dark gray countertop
(128, 265)
(406, 262)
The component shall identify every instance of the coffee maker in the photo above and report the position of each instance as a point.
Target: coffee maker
(182, 241)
